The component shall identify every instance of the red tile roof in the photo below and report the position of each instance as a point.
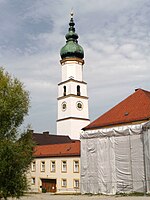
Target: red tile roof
(134, 108)
(58, 150)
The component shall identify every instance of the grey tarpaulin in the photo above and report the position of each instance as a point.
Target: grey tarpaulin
(116, 160)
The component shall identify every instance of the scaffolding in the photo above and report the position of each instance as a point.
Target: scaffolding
(116, 160)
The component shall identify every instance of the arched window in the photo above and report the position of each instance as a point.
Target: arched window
(78, 90)
(64, 90)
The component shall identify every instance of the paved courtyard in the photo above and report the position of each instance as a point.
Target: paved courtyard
(48, 196)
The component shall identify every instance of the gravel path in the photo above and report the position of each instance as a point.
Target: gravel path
(79, 197)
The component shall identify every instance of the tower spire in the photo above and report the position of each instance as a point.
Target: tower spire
(71, 35)
(72, 90)
(72, 48)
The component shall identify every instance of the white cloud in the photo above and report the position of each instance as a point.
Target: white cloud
(115, 37)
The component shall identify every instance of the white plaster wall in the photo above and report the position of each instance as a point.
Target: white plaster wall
(58, 175)
(71, 127)
(73, 70)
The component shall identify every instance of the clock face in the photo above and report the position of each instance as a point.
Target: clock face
(79, 105)
(64, 106)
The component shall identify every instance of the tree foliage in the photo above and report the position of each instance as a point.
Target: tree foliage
(14, 104)
(15, 154)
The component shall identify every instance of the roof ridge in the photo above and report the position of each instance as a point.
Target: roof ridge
(146, 93)
(134, 107)
(113, 107)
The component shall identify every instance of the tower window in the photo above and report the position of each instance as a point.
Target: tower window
(64, 90)
(78, 90)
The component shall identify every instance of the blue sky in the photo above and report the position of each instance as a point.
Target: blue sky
(115, 36)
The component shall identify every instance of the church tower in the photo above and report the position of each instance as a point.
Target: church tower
(72, 90)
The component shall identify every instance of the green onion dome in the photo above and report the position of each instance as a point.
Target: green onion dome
(72, 48)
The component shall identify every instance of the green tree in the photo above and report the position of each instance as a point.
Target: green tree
(14, 104)
(15, 154)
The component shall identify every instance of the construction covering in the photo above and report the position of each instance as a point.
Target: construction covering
(116, 160)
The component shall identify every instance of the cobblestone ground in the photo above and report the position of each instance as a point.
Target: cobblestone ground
(47, 196)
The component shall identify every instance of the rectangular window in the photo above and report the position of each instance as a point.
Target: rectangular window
(76, 183)
(53, 166)
(64, 182)
(33, 166)
(75, 166)
(43, 166)
(33, 181)
(64, 166)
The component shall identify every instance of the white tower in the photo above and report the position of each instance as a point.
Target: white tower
(72, 90)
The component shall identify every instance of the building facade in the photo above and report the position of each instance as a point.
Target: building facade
(72, 98)
(56, 168)
(115, 148)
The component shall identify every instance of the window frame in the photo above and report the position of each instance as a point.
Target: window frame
(74, 183)
(33, 180)
(33, 166)
(62, 181)
(74, 166)
(42, 166)
(63, 171)
(51, 166)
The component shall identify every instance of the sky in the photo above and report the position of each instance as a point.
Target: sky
(114, 34)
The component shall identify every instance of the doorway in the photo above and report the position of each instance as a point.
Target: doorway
(49, 185)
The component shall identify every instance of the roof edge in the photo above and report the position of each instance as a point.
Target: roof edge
(116, 124)
(56, 155)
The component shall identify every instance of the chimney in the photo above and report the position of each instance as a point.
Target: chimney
(46, 133)
(137, 89)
